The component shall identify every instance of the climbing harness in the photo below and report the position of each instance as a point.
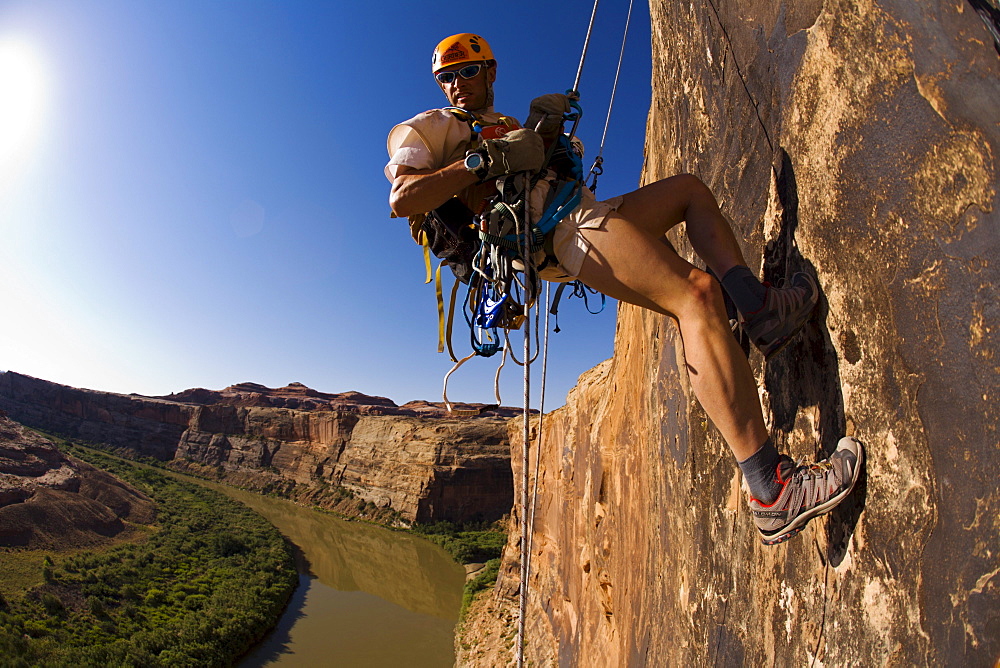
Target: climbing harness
(501, 274)
(580, 290)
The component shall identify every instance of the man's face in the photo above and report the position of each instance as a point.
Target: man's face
(471, 94)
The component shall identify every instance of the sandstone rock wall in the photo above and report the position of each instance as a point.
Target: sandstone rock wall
(857, 140)
(412, 461)
(426, 469)
(149, 426)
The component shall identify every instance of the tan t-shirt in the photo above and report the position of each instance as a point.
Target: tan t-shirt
(436, 139)
(431, 140)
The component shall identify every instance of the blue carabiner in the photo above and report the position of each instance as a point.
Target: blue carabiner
(574, 103)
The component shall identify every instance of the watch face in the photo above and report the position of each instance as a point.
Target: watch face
(473, 161)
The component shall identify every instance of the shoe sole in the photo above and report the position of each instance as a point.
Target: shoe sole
(783, 537)
(781, 345)
(799, 523)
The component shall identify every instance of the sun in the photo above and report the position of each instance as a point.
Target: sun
(23, 100)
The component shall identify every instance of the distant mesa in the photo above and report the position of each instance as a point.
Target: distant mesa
(299, 396)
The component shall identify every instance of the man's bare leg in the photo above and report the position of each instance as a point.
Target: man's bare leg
(631, 265)
(659, 206)
(771, 315)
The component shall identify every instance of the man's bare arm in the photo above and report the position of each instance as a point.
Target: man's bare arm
(420, 190)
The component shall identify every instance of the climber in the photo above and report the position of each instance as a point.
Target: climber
(618, 246)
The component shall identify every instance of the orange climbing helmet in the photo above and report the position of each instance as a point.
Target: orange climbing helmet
(461, 48)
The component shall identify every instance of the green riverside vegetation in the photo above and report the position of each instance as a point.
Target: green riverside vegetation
(469, 544)
(205, 584)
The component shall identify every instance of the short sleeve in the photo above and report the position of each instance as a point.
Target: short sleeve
(426, 141)
(407, 147)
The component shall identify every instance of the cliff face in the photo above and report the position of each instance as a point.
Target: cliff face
(856, 140)
(148, 426)
(308, 444)
(427, 469)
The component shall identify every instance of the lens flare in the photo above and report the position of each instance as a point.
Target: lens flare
(24, 95)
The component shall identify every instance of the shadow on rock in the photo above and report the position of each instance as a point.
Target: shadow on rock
(806, 374)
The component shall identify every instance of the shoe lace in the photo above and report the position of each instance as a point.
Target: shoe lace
(784, 300)
(812, 483)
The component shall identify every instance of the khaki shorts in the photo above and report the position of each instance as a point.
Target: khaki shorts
(568, 244)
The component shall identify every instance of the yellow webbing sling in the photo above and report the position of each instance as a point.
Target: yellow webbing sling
(444, 327)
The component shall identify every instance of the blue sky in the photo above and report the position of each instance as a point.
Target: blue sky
(191, 193)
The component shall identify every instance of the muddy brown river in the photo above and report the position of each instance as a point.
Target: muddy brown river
(367, 596)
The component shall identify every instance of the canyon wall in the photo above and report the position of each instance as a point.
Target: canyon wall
(361, 455)
(856, 140)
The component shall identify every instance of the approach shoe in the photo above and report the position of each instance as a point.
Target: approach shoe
(785, 310)
(808, 491)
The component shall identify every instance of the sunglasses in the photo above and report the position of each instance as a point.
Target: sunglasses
(467, 72)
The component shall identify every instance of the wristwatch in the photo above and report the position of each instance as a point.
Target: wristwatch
(477, 163)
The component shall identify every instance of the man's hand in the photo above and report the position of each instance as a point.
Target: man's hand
(546, 114)
(516, 151)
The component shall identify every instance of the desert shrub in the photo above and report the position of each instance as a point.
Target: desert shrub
(198, 591)
(52, 604)
(96, 607)
(155, 597)
(466, 544)
(484, 580)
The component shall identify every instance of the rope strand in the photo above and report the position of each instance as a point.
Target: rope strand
(526, 443)
(739, 73)
(614, 89)
(586, 45)
(538, 449)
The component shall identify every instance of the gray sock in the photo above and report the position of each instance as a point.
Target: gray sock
(744, 289)
(759, 470)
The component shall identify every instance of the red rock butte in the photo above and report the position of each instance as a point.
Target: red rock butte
(299, 396)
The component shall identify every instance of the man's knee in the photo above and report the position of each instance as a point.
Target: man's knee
(704, 292)
(694, 187)
(685, 190)
(683, 182)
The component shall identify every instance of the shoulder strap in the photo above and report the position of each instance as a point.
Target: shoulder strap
(483, 128)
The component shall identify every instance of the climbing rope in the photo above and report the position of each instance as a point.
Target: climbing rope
(598, 168)
(586, 45)
(739, 73)
(525, 449)
(529, 502)
(538, 454)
